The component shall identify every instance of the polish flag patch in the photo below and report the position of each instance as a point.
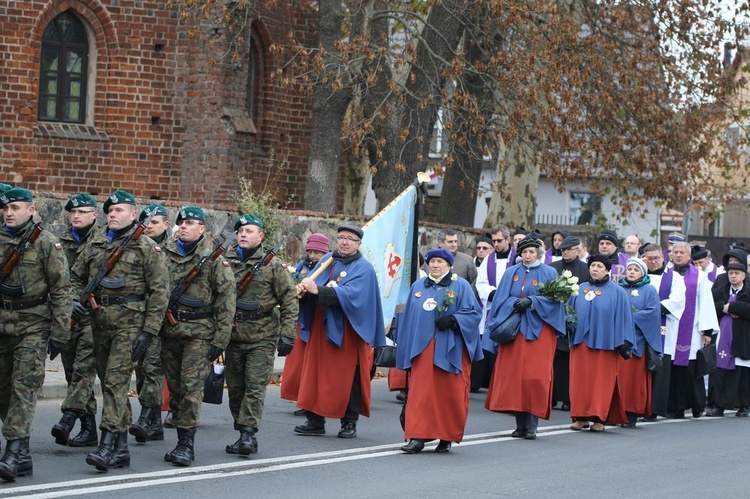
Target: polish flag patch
(58, 246)
(157, 249)
(225, 263)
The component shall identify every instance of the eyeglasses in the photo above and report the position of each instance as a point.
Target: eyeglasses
(652, 258)
(347, 238)
(484, 248)
(498, 240)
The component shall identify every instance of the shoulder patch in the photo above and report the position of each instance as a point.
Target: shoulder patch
(225, 263)
(58, 246)
(157, 249)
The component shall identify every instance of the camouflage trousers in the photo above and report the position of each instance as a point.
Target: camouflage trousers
(186, 367)
(113, 350)
(80, 372)
(149, 376)
(21, 378)
(248, 370)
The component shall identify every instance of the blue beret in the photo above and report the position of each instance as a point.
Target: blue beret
(439, 253)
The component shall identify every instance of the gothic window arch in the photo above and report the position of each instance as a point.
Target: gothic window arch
(64, 70)
(255, 77)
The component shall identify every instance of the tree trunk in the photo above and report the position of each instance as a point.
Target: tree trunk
(357, 180)
(515, 188)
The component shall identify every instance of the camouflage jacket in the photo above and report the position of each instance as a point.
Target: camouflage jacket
(211, 292)
(141, 270)
(73, 248)
(271, 286)
(43, 274)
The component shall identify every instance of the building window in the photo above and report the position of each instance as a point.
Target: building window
(63, 70)
(584, 206)
(254, 77)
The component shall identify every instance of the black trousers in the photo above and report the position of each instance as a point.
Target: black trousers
(687, 390)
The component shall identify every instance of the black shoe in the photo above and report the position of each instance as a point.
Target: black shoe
(698, 414)
(565, 406)
(443, 446)
(16, 461)
(184, 453)
(140, 428)
(530, 435)
(155, 427)
(61, 431)
(715, 412)
(401, 397)
(121, 454)
(348, 430)
(300, 412)
(519, 433)
(247, 442)
(648, 419)
(414, 446)
(229, 449)
(87, 437)
(103, 455)
(309, 428)
(742, 412)
(676, 415)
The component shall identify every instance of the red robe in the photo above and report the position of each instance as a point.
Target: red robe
(328, 371)
(293, 371)
(636, 386)
(438, 403)
(522, 378)
(594, 387)
(396, 379)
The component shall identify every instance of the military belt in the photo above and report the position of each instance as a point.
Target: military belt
(105, 300)
(184, 315)
(20, 305)
(249, 316)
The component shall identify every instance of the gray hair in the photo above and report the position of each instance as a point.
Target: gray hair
(446, 232)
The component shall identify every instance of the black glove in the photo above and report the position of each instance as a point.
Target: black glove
(445, 322)
(491, 296)
(79, 311)
(140, 345)
(214, 353)
(522, 304)
(54, 348)
(624, 350)
(285, 346)
(664, 310)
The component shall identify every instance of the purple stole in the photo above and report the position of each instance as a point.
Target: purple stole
(548, 256)
(724, 357)
(492, 266)
(618, 269)
(712, 274)
(685, 330)
(665, 288)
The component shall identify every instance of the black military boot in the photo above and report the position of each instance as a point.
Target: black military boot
(121, 455)
(140, 428)
(247, 442)
(184, 453)
(87, 437)
(155, 428)
(16, 461)
(103, 455)
(61, 431)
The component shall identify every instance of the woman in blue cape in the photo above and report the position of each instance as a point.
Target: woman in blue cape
(635, 379)
(604, 328)
(438, 340)
(522, 379)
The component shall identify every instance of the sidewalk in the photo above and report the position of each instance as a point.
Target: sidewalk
(55, 386)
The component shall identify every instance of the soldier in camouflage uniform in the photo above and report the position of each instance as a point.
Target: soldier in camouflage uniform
(204, 315)
(132, 301)
(78, 354)
(258, 332)
(34, 319)
(149, 375)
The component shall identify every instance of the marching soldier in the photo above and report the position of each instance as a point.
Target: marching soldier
(202, 318)
(132, 300)
(149, 375)
(258, 332)
(78, 354)
(35, 294)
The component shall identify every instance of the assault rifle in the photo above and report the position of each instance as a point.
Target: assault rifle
(15, 255)
(245, 282)
(87, 296)
(180, 289)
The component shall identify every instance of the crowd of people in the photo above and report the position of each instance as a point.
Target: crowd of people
(135, 294)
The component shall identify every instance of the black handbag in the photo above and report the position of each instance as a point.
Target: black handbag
(507, 330)
(705, 360)
(385, 356)
(213, 388)
(653, 359)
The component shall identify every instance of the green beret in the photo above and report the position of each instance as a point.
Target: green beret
(118, 197)
(5, 187)
(152, 209)
(248, 219)
(79, 201)
(191, 213)
(16, 194)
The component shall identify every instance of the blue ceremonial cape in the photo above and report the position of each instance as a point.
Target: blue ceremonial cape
(417, 326)
(359, 297)
(509, 290)
(646, 307)
(605, 321)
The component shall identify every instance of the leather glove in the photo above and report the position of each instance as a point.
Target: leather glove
(79, 311)
(446, 322)
(285, 346)
(522, 304)
(140, 345)
(491, 296)
(54, 348)
(624, 350)
(664, 310)
(214, 353)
